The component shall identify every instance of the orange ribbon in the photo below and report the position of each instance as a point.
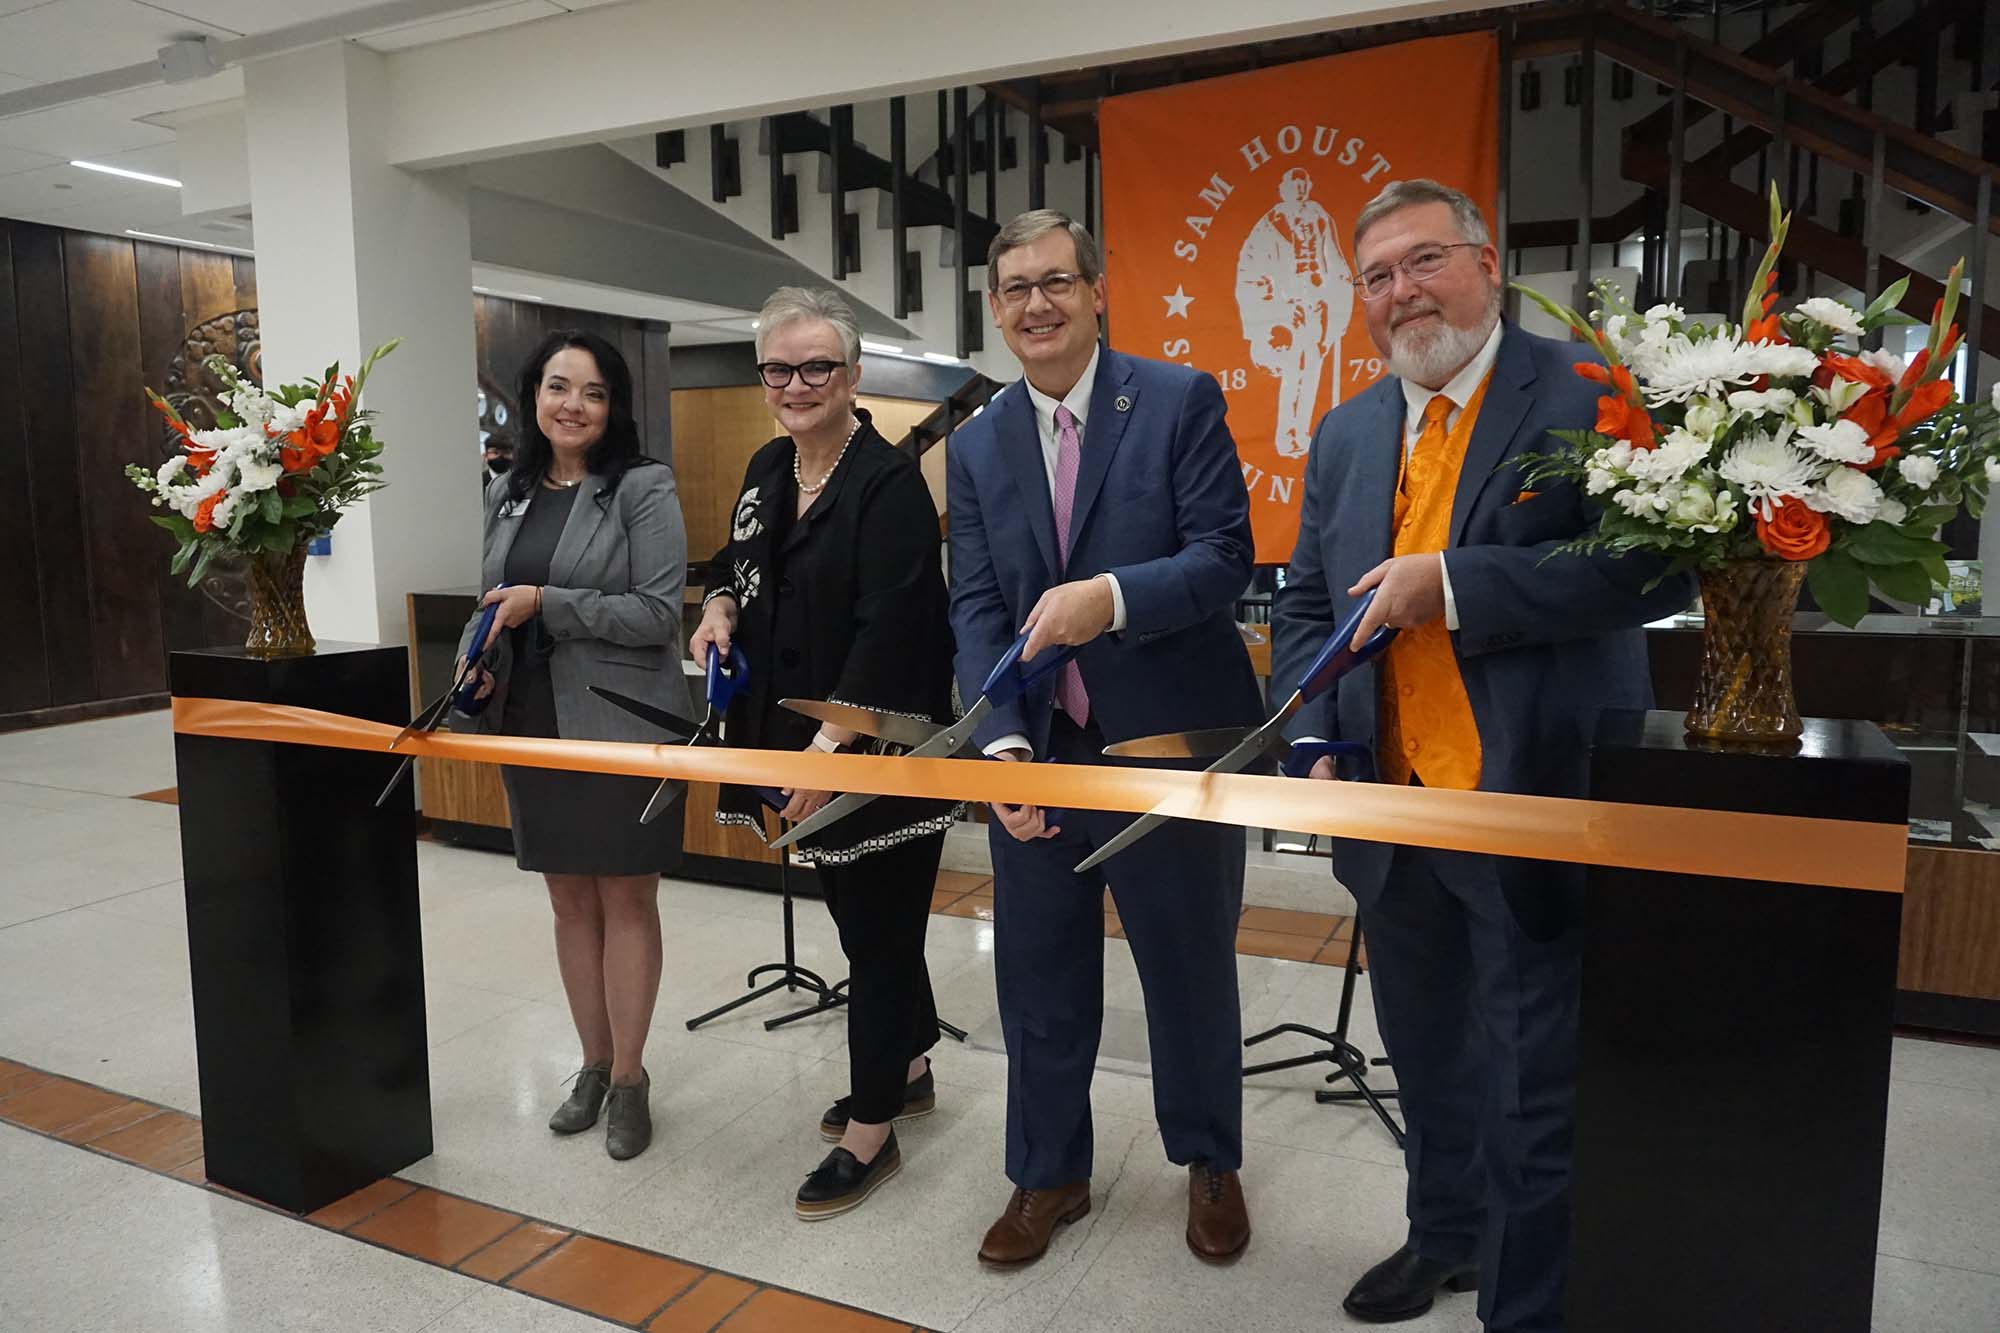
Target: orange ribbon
(1786, 849)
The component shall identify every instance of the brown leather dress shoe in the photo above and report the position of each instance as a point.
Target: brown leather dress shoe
(1021, 1236)
(1218, 1221)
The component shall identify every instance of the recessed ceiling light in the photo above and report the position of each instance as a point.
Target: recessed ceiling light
(129, 174)
(183, 240)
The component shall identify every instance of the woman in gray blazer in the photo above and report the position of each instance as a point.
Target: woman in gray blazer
(585, 534)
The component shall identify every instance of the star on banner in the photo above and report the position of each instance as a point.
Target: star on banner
(1178, 303)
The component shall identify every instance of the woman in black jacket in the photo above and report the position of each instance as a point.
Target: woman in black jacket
(832, 584)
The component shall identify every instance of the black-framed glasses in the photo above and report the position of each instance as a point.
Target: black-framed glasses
(777, 374)
(1055, 286)
(1422, 265)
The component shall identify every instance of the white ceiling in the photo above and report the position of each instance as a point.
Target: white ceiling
(43, 41)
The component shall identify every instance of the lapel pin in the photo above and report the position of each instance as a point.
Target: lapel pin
(1123, 404)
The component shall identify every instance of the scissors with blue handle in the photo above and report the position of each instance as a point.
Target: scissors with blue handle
(728, 676)
(1240, 749)
(1007, 682)
(463, 696)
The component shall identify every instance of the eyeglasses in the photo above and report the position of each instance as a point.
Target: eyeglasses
(1055, 286)
(1422, 266)
(777, 374)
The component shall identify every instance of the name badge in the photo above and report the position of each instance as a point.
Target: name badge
(514, 508)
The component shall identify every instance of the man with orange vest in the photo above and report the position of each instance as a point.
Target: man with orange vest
(1505, 655)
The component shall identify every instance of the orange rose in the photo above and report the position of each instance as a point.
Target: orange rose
(1793, 532)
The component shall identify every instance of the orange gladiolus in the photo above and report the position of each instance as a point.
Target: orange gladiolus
(1793, 531)
(1622, 419)
(204, 513)
(1594, 372)
(1857, 371)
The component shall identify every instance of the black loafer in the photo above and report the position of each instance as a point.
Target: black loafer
(1404, 1286)
(843, 1182)
(586, 1099)
(919, 1099)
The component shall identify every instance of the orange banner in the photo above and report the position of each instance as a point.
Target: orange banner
(1228, 204)
(1782, 848)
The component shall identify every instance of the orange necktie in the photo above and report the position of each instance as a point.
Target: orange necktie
(1427, 723)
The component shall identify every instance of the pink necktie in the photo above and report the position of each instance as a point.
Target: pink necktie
(1069, 450)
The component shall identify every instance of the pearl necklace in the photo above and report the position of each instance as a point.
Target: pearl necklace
(799, 477)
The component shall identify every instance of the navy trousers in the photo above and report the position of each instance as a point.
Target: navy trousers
(1480, 1025)
(1179, 893)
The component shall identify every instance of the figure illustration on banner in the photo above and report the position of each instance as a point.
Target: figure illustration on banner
(1295, 293)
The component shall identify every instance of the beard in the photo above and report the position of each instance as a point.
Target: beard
(1430, 357)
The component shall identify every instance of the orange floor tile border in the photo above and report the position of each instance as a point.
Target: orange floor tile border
(620, 1284)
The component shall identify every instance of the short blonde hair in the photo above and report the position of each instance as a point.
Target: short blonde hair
(789, 305)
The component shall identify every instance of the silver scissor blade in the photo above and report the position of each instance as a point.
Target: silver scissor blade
(941, 746)
(1267, 739)
(661, 799)
(892, 727)
(1180, 744)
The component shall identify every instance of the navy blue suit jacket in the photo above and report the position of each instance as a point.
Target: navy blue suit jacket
(1160, 504)
(1544, 642)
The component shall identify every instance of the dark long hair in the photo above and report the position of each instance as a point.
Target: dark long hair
(615, 451)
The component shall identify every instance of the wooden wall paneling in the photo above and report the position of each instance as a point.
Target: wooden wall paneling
(162, 332)
(24, 666)
(1951, 923)
(244, 269)
(208, 289)
(702, 836)
(716, 431)
(112, 431)
(656, 414)
(49, 412)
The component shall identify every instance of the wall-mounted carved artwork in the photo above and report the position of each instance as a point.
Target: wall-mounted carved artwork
(195, 391)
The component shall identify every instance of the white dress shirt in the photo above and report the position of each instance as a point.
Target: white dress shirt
(1077, 400)
(1458, 390)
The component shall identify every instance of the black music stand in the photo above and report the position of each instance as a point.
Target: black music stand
(792, 977)
(1350, 1062)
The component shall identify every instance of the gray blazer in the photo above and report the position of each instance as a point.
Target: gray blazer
(612, 604)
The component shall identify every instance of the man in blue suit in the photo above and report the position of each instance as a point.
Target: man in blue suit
(1099, 502)
(1505, 656)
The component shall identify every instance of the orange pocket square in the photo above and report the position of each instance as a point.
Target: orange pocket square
(1525, 496)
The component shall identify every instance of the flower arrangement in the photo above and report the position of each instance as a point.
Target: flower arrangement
(1778, 442)
(273, 474)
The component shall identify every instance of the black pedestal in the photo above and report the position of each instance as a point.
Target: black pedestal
(303, 935)
(1733, 1086)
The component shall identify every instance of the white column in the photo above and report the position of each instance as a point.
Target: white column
(352, 252)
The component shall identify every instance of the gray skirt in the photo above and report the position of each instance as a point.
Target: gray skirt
(577, 823)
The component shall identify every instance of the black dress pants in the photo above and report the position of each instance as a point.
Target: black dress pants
(882, 904)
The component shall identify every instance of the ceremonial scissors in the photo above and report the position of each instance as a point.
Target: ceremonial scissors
(727, 678)
(1240, 748)
(1004, 684)
(462, 695)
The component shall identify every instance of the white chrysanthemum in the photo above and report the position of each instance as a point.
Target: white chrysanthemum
(170, 470)
(1778, 401)
(1766, 468)
(1920, 470)
(1838, 442)
(1670, 459)
(1836, 315)
(1847, 493)
(1712, 366)
(254, 474)
(1885, 361)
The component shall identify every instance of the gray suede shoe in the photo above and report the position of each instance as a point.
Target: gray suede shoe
(628, 1127)
(586, 1099)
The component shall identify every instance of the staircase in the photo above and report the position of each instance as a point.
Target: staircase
(876, 196)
